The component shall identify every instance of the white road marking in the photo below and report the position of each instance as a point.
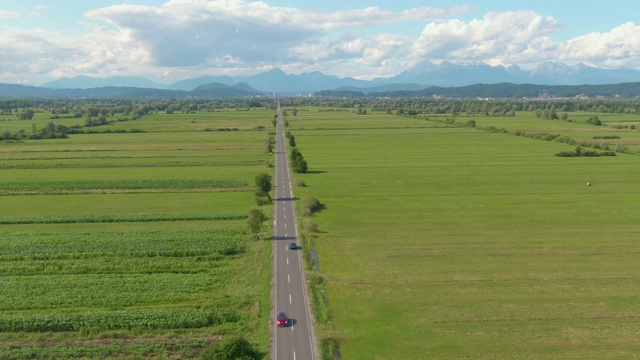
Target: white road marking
(288, 278)
(294, 355)
(290, 300)
(287, 261)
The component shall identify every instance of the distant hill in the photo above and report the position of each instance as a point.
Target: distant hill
(503, 90)
(448, 74)
(213, 90)
(419, 76)
(382, 88)
(218, 90)
(190, 84)
(422, 79)
(86, 82)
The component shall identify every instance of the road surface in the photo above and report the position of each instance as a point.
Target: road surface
(297, 340)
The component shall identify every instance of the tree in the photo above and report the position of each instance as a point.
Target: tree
(255, 220)
(26, 115)
(6, 135)
(298, 163)
(270, 143)
(263, 183)
(292, 141)
(594, 121)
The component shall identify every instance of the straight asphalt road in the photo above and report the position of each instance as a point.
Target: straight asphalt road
(295, 341)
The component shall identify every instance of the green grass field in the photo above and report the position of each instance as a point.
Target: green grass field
(442, 242)
(436, 241)
(133, 245)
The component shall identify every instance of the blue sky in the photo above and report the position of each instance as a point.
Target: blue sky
(170, 40)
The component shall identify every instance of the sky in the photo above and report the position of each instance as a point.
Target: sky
(170, 40)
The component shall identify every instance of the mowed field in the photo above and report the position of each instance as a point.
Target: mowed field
(134, 245)
(442, 242)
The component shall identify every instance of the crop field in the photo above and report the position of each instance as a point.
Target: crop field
(440, 241)
(130, 241)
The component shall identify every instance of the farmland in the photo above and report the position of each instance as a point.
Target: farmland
(442, 234)
(129, 239)
(443, 241)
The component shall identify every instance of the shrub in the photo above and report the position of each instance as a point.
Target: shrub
(309, 205)
(310, 226)
(233, 348)
(594, 121)
(262, 200)
(299, 182)
(565, 154)
(565, 139)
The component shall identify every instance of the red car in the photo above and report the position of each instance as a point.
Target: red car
(282, 319)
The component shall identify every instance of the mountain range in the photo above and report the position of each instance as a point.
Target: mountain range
(420, 76)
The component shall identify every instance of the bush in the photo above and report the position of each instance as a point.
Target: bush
(309, 205)
(310, 226)
(594, 121)
(565, 154)
(232, 348)
(262, 200)
(299, 182)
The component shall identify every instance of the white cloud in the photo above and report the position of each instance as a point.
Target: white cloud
(497, 35)
(524, 38)
(251, 31)
(9, 14)
(616, 48)
(185, 38)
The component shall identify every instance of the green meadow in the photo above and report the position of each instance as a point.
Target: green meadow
(441, 241)
(436, 240)
(129, 241)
